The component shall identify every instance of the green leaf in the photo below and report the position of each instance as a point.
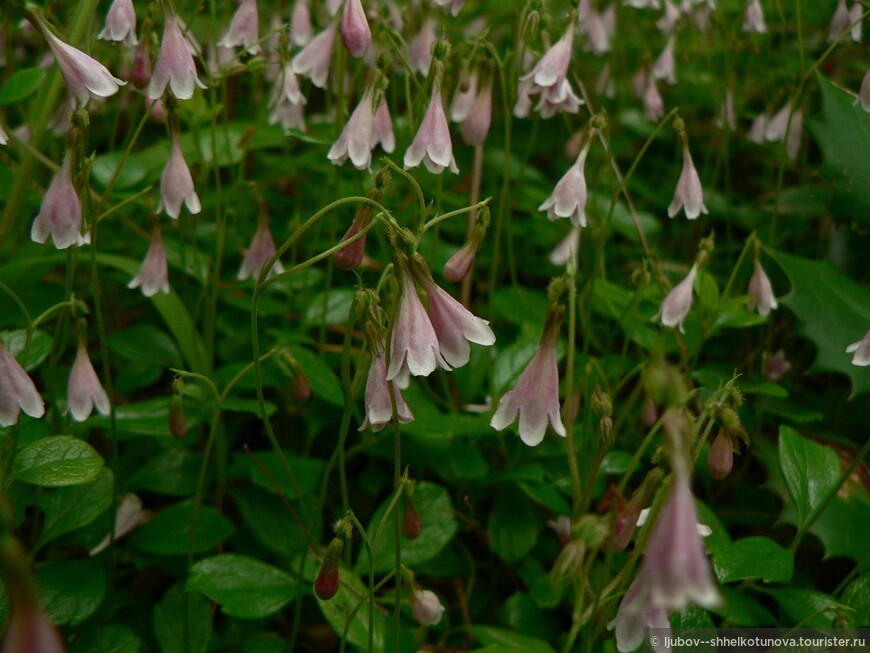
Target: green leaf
(72, 590)
(56, 461)
(857, 596)
(37, 350)
(243, 587)
(169, 533)
(324, 383)
(20, 85)
(439, 526)
(329, 307)
(69, 508)
(270, 520)
(740, 609)
(148, 418)
(133, 172)
(174, 472)
(350, 599)
(807, 608)
(506, 640)
(512, 525)
(810, 470)
(833, 311)
(108, 639)
(306, 471)
(182, 622)
(753, 557)
(843, 133)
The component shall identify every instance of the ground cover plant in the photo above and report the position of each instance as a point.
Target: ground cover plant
(390, 325)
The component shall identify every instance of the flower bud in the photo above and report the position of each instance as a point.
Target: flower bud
(141, 73)
(649, 415)
(411, 522)
(350, 256)
(426, 607)
(327, 582)
(721, 457)
(301, 387)
(177, 420)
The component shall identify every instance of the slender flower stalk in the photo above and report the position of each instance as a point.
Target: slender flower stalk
(153, 276)
(535, 397)
(17, 390)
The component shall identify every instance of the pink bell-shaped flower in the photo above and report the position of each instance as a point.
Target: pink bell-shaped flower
(356, 139)
(460, 108)
(351, 256)
(286, 88)
(454, 6)
(678, 301)
(864, 93)
(314, 59)
(379, 409)
(355, 32)
(861, 351)
(839, 22)
(420, 48)
(174, 66)
(535, 397)
(855, 14)
(432, 145)
(753, 18)
(569, 196)
(176, 184)
(29, 630)
(300, 23)
(761, 296)
(84, 390)
(85, 77)
(153, 276)
(689, 195)
(675, 566)
(17, 391)
(637, 613)
(4, 137)
(426, 607)
(244, 28)
(414, 343)
(61, 212)
(475, 127)
(455, 326)
(120, 23)
(261, 250)
(289, 116)
(548, 79)
(720, 459)
(664, 67)
(459, 265)
(567, 249)
(653, 104)
(671, 16)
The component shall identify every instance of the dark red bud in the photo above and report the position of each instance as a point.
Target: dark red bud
(349, 257)
(177, 420)
(721, 457)
(301, 388)
(411, 523)
(327, 582)
(141, 66)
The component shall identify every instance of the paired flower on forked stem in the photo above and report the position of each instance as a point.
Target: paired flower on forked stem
(153, 276)
(85, 77)
(244, 28)
(569, 196)
(379, 406)
(677, 302)
(174, 66)
(535, 397)
(61, 211)
(549, 80)
(261, 250)
(17, 390)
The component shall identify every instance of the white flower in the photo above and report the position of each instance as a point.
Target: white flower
(176, 184)
(677, 303)
(174, 66)
(84, 390)
(426, 607)
(120, 23)
(569, 196)
(432, 145)
(761, 292)
(689, 195)
(314, 59)
(17, 391)
(153, 275)
(244, 28)
(861, 349)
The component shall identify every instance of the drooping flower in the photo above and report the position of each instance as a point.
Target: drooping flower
(549, 80)
(85, 77)
(675, 566)
(61, 212)
(414, 343)
(300, 23)
(286, 88)
(31, 631)
(466, 92)
(455, 326)
(637, 613)
(864, 93)
(174, 66)
(4, 137)
(677, 303)
(597, 39)
(726, 117)
(120, 23)
(84, 390)
(653, 104)
(382, 129)
(351, 256)
(244, 28)
(153, 276)
(426, 607)
(669, 19)
(460, 264)
(569, 196)
(17, 391)
(289, 116)
(327, 582)
(567, 249)
(176, 184)
(356, 139)
(314, 59)
(379, 409)
(664, 67)
(861, 349)
(757, 129)
(786, 120)
(420, 48)
(129, 517)
(535, 397)
(475, 127)
(355, 32)
(432, 145)
(689, 195)
(261, 250)
(855, 14)
(141, 73)
(753, 19)
(761, 296)
(776, 366)
(839, 22)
